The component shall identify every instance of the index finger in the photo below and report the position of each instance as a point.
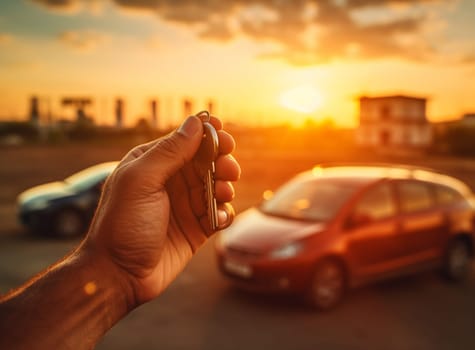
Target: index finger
(216, 122)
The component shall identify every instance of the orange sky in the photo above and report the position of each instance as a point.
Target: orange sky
(260, 63)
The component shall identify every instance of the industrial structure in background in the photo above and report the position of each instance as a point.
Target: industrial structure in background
(79, 104)
(119, 113)
(34, 111)
(154, 113)
(390, 122)
(40, 117)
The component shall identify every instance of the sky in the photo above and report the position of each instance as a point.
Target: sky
(260, 61)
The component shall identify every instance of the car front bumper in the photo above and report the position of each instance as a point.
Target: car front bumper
(267, 275)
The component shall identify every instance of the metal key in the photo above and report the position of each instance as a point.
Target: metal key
(205, 163)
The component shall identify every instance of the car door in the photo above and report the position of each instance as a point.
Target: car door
(372, 232)
(423, 224)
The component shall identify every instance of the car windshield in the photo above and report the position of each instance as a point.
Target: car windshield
(311, 200)
(89, 177)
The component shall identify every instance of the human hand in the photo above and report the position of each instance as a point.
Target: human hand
(152, 215)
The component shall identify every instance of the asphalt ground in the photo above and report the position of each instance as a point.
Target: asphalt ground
(201, 309)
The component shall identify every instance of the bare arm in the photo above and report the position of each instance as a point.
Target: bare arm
(69, 306)
(149, 222)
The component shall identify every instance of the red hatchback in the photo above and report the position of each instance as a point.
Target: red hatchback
(337, 227)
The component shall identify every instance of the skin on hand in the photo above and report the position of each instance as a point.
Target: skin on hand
(150, 220)
(152, 215)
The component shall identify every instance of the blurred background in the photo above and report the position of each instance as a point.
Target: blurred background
(297, 83)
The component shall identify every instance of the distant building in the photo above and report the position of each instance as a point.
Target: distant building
(79, 104)
(210, 107)
(468, 119)
(154, 113)
(119, 113)
(34, 111)
(393, 121)
(187, 107)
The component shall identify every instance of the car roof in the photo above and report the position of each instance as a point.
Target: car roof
(101, 168)
(106, 166)
(370, 173)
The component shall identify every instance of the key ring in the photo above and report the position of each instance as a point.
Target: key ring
(204, 116)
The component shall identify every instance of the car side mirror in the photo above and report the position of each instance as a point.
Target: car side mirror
(358, 220)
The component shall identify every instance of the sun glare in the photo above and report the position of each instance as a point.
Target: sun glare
(304, 99)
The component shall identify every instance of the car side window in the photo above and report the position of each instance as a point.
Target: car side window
(414, 196)
(376, 204)
(446, 195)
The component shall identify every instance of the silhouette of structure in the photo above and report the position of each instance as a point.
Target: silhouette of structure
(468, 119)
(80, 104)
(393, 121)
(154, 111)
(34, 111)
(119, 113)
(210, 107)
(187, 107)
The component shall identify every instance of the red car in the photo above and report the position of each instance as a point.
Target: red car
(337, 227)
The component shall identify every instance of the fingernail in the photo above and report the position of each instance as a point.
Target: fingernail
(190, 126)
(222, 216)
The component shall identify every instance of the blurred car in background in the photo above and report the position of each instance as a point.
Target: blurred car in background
(64, 208)
(337, 227)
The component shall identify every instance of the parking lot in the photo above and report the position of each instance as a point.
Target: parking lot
(201, 310)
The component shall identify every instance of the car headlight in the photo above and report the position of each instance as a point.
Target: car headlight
(287, 251)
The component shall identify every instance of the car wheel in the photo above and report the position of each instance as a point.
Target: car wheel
(328, 285)
(457, 261)
(68, 223)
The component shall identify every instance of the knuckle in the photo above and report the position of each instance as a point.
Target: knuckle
(168, 147)
(126, 175)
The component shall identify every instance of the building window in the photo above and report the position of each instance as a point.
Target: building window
(385, 112)
(384, 137)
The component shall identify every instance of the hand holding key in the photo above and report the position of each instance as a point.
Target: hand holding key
(154, 215)
(151, 219)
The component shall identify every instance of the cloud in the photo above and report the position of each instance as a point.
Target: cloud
(82, 41)
(5, 39)
(65, 6)
(71, 6)
(363, 3)
(469, 58)
(307, 32)
(304, 31)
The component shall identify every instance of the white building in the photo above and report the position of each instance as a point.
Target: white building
(393, 121)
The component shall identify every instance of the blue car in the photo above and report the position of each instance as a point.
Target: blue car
(64, 208)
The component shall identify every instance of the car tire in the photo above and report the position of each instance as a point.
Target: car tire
(328, 285)
(457, 261)
(68, 223)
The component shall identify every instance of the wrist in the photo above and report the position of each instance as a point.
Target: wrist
(83, 294)
(104, 277)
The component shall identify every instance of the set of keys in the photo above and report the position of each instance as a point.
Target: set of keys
(205, 164)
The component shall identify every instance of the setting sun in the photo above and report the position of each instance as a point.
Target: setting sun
(261, 63)
(303, 99)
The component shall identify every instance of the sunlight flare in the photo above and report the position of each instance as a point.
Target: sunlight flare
(304, 99)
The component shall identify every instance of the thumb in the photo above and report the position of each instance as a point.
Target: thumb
(171, 152)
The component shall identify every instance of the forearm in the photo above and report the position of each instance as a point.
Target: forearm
(70, 306)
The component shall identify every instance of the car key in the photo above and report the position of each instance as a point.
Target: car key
(205, 163)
